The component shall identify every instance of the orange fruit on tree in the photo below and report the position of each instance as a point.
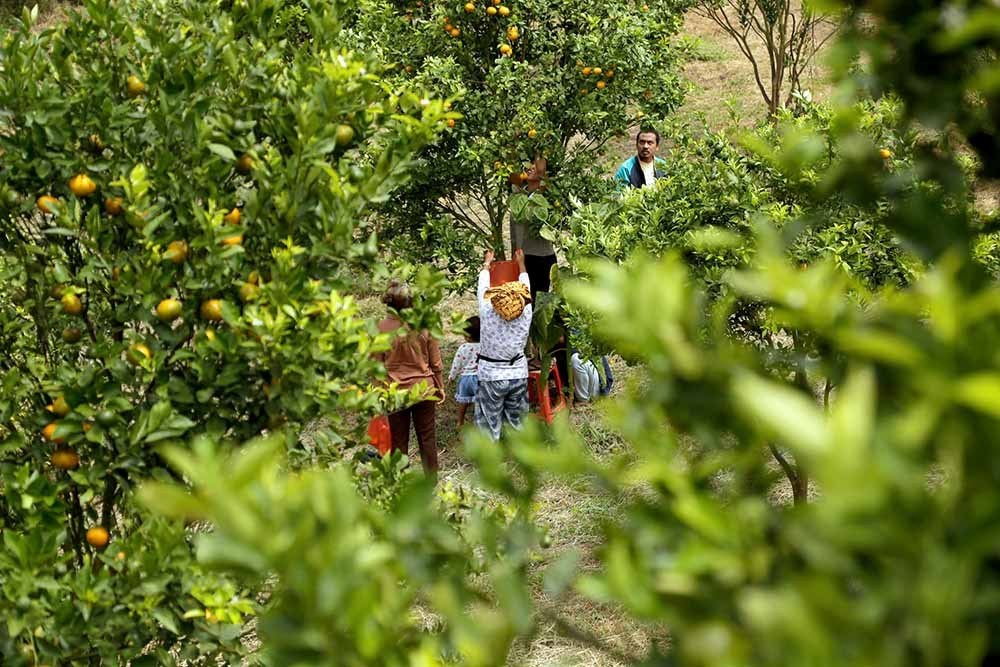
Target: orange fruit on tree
(610, 73)
(233, 217)
(249, 292)
(601, 84)
(470, 7)
(513, 34)
(497, 2)
(451, 122)
(50, 433)
(134, 86)
(344, 135)
(138, 352)
(168, 310)
(885, 153)
(229, 241)
(506, 50)
(492, 11)
(211, 310)
(244, 164)
(48, 204)
(532, 133)
(71, 304)
(177, 252)
(59, 406)
(454, 32)
(113, 205)
(504, 11)
(597, 71)
(82, 185)
(587, 70)
(65, 459)
(98, 537)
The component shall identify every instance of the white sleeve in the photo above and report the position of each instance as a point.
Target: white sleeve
(484, 284)
(524, 279)
(457, 363)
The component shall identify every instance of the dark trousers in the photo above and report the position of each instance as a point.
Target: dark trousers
(538, 269)
(422, 414)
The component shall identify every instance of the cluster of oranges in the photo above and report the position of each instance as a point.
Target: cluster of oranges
(82, 186)
(493, 8)
(602, 75)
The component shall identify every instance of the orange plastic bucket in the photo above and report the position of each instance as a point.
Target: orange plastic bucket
(379, 435)
(503, 272)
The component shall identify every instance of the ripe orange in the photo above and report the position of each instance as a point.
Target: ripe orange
(601, 84)
(229, 241)
(82, 185)
(448, 27)
(497, 2)
(49, 433)
(48, 204)
(249, 292)
(587, 71)
(168, 310)
(451, 122)
(71, 304)
(244, 165)
(233, 217)
(345, 135)
(137, 353)
(134, 86)
(98, 537)
(532, 133)
(65, 459)
(455, 32)
(177, 252)
(59, 406)
(597, 70)
(512, 33)
(506, 50)
(469, 7)
(504, 11)
(885, 153)
(492, 11)
(113, 205)
(610, 73)
(211, 310)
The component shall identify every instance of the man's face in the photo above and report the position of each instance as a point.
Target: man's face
(646, 146)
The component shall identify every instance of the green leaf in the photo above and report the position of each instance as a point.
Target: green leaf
(225, 152)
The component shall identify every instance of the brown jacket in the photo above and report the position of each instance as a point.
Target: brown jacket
(413, 358)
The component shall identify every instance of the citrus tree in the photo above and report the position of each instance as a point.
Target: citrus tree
(181, 189)
(532, 79)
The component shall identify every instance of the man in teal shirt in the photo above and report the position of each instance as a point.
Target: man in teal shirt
(640, 170)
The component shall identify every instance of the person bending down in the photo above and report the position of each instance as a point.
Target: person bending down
(504, 322)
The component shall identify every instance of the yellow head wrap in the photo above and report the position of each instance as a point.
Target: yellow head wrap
(509, 299)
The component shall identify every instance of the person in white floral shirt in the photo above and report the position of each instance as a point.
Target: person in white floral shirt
(505, 319)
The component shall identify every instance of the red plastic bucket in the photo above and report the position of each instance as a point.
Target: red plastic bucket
(503, 272)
